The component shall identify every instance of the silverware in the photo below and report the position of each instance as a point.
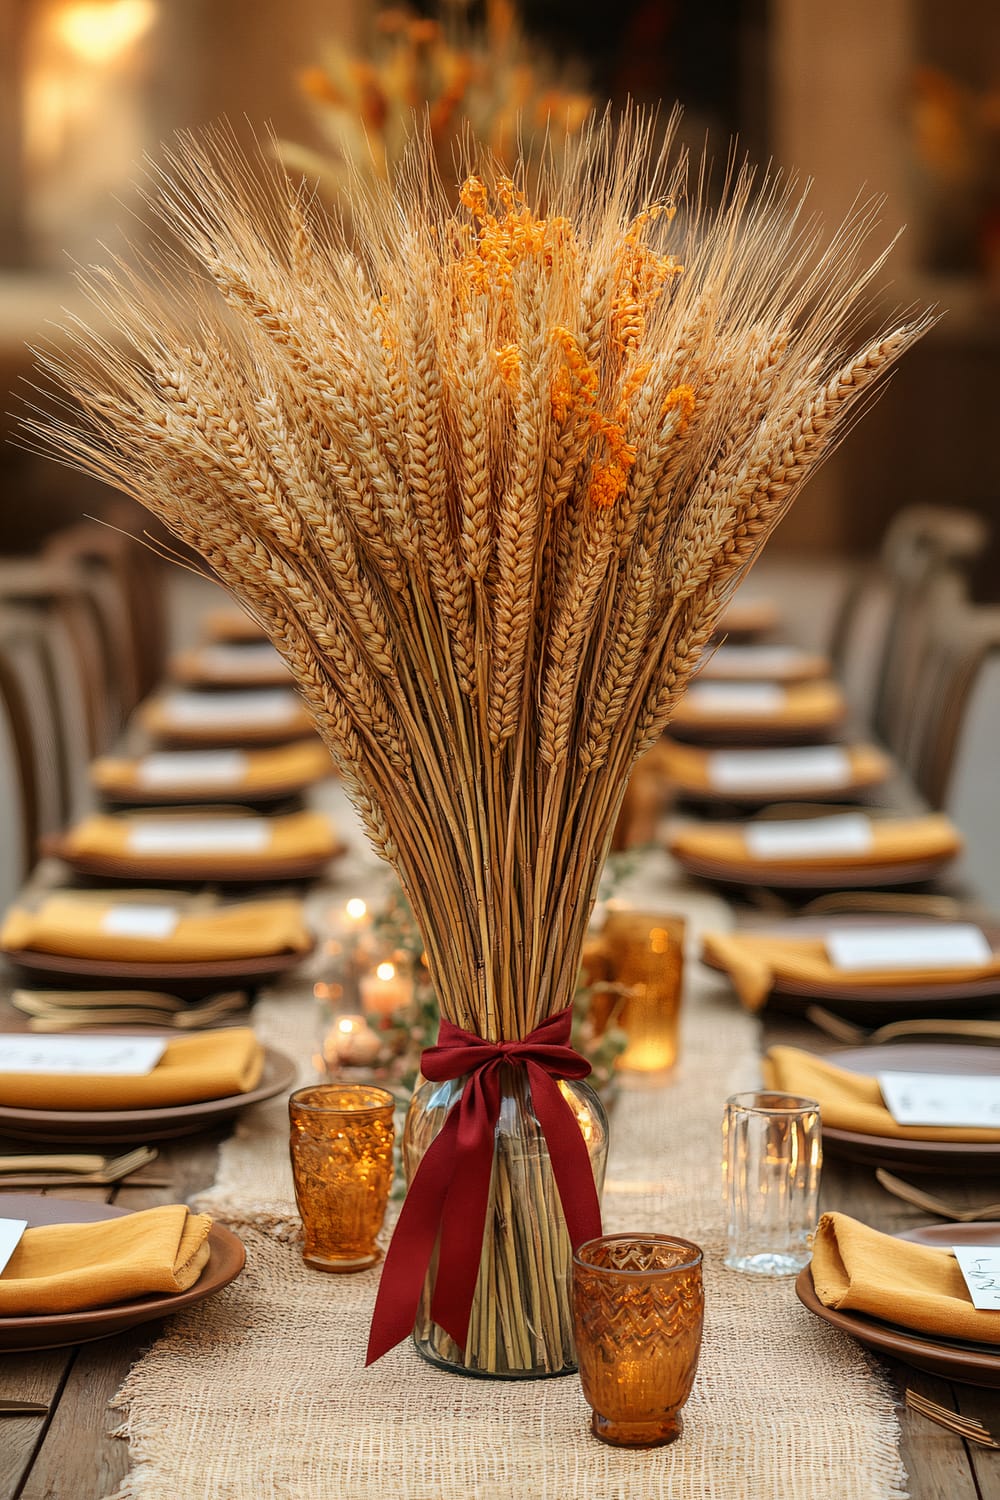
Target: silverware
(849, 1031)
(22, 1408)
(110, 1169)
(919, 1199)
(50, 1011)
(964, 1427)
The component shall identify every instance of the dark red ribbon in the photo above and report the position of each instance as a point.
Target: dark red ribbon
(448, 1197)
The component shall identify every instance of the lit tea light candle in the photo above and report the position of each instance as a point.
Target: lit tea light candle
(351, 1040)
(387, 990)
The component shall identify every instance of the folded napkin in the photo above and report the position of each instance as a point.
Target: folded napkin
(211, 1065)
(157, 719)
(262, 771)
(64, 1268)
(850, 1101)
(857, 1269)
(74, 928)
(804, 705)
(755, 962)
(689, 768)
(304, 835)
(894, 841)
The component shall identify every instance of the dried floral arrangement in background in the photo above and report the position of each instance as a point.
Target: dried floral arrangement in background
(487, 476)
(488, 77)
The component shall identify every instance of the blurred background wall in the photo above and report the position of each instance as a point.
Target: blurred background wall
(900, 97)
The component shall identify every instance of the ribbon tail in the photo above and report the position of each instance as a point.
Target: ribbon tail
(409, 1255)
(463, 1218)
(569, 1156)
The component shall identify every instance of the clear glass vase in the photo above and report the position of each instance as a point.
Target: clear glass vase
(522, 1313)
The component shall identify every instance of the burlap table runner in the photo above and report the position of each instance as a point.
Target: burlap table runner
(261, 1392)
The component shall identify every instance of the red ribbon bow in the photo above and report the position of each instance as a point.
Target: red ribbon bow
(449, 1195)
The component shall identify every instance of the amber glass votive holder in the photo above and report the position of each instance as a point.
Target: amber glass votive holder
(645, 954)
(638, 1308)
(341, 1149)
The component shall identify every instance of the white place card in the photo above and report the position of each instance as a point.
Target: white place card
(920, 946)
(737, 698)
(964, 1100)
(810, 838)
(200, 836)
(247, 660)
(11, 1231)
(123, 1056)
(192, 768)
(758, 770)
(159, 922)
(273, 706)
(980, 1265)
(757, 661)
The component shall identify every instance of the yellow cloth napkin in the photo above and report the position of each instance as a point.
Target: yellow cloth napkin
(857, 1269)
(154, 718)
(212, 1065)
(850, 1101)
(62, 1268)
(806, 705)
(287, 765)
(894, 841)
(67, 925)
(687, 766)
(755, 962)
(304, 835)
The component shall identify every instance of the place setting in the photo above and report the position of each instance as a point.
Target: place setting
(118, 1087)
(229, 665)
(192, 944)
(72, 1271)
(843, 850)
(225, 844)
(234, 718)
(749, 713)
(868, 967)
(755, 778)
(249, 777)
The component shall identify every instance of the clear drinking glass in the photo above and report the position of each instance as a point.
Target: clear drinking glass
(638, 1307)
(771, 1159)
(341, 1149)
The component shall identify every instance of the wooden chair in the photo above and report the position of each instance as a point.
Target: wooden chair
(879, 636)
(32, 706)
(126, 581)
(952, 753)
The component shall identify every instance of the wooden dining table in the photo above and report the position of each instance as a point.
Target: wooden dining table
(70, 1452)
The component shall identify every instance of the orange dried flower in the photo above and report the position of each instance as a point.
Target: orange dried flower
(682, 396)
(509, 364)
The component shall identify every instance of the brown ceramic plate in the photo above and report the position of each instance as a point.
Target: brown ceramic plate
(185, 870)
(809, 876)
(915, 1057)
(874, 1003)
(99, 1125)
(970, 1364)
(202, 976)
(124, 796)
(18, 1335)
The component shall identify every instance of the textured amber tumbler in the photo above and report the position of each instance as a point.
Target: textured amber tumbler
(638, 1306)
(341, 1147)
(645, 951)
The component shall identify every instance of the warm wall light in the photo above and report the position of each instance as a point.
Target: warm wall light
(101, 30)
